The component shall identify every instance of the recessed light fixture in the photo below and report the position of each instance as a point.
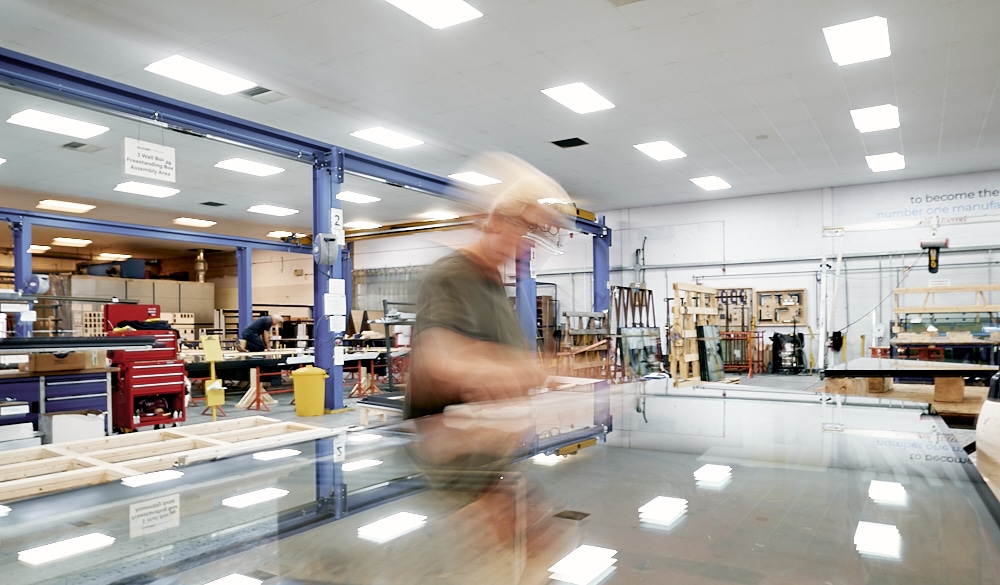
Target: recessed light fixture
(272, 210)
(255, 497)
(276, 454)
(585, 565)
(67, 206)
(438, 215)
(137, 188)
(438, 14)
(890, 161)
(151, 478)
(194, 222)
(71, 242)
(353, 197)
(391, 527)
(386, 137)
(663, 511)
(474, 178)
(362, 225)
(711, 183)
(111, 256)
(235, 579)
(199, 75)
(878, 540)
(279, 234)
(579, 98)
(57, 124)
(249, 167)
(33, 249)
(659, 150)
(65, 548)
(887, 492)
(360, 464)
(858, 41)
(884, 117)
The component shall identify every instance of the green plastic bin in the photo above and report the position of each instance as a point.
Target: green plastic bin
(310, 390)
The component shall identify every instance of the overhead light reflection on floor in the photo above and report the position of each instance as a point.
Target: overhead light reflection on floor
(878, 540)
(887, 492)
(390, 527)
(547, 459)
(587, 565)
(713, 476)
(662, 511)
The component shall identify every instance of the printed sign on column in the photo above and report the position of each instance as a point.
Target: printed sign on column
(150, 160)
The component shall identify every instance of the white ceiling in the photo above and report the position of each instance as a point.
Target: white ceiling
(746, 88)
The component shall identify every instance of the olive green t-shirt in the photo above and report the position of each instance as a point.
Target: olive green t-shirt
(458, 295)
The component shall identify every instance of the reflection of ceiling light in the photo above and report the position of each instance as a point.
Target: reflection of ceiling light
(71, 242)
(659, 150)
(249, 167)
(355, 438)
(711, 183)
(887, 492)
(33, 249)
(357, 197)
(857, 41)
(474, 178)
(255, 497)
(57, 124)
(4, 510)
(662, 510)
(713, 476)
(362, 225)
(67, 206)
(361, 464)
(386, 137)
(438, 14)
(587, 564)
(2, 160)
(235, 579)
(547, 459)
(194, 222)
(150, 478)
(137, 188)
(579, 98)
(391, 527)
(275, 454)
(65, 548)
(875, 118)
(891, 161)
(199, 75)
(878, 540)
(112, 256)
(272, 210)
(438, 215)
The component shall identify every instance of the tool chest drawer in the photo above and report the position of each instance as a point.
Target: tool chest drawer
(74, 385)
(145, 373)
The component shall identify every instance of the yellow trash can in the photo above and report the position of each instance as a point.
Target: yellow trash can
(310, 390)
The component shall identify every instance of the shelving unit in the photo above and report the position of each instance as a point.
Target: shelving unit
(586, 347)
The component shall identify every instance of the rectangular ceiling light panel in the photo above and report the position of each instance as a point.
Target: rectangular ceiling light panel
(194, 222)
(33, 249)
(137, 188)
(272, 210)
(875, 118)
(362, 225)
(663, 511)
(858, 41)
(660, 150)
(199, 75)
(361, 464)
(353, 197)
(276, 454)
(579, 98)
(386, 137)
(887, 492)
(878, 540)
(249, 167)
(438, 215)
(57, 124)
(67, 206)
(2, 160)
(151, 478)
(890, 161)
(438, 14)
(474, 178)
(711, 183)
(586, 564)
(71, 242)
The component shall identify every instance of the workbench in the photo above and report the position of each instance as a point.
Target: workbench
(61, 391)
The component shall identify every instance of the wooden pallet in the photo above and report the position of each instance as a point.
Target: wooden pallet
(34, 471)
(586, 349)
(693, 306)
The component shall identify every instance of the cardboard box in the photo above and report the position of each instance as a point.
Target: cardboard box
(95, 359)
(76, 425)
(55, 362)
(949, 389)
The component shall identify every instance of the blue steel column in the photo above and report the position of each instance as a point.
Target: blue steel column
(328, 174)
(21, 232)
(244, 285)
(602, 268)
(525, 295)
(347, 270)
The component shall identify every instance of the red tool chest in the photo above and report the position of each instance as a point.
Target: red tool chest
(149, 389)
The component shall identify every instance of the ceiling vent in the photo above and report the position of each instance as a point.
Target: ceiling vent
(263, 95)
(569, 142)
(82, 147)
(212, 203)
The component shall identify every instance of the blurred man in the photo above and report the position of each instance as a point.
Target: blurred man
(257, 335)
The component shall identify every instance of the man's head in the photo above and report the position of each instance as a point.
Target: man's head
(276, 320)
